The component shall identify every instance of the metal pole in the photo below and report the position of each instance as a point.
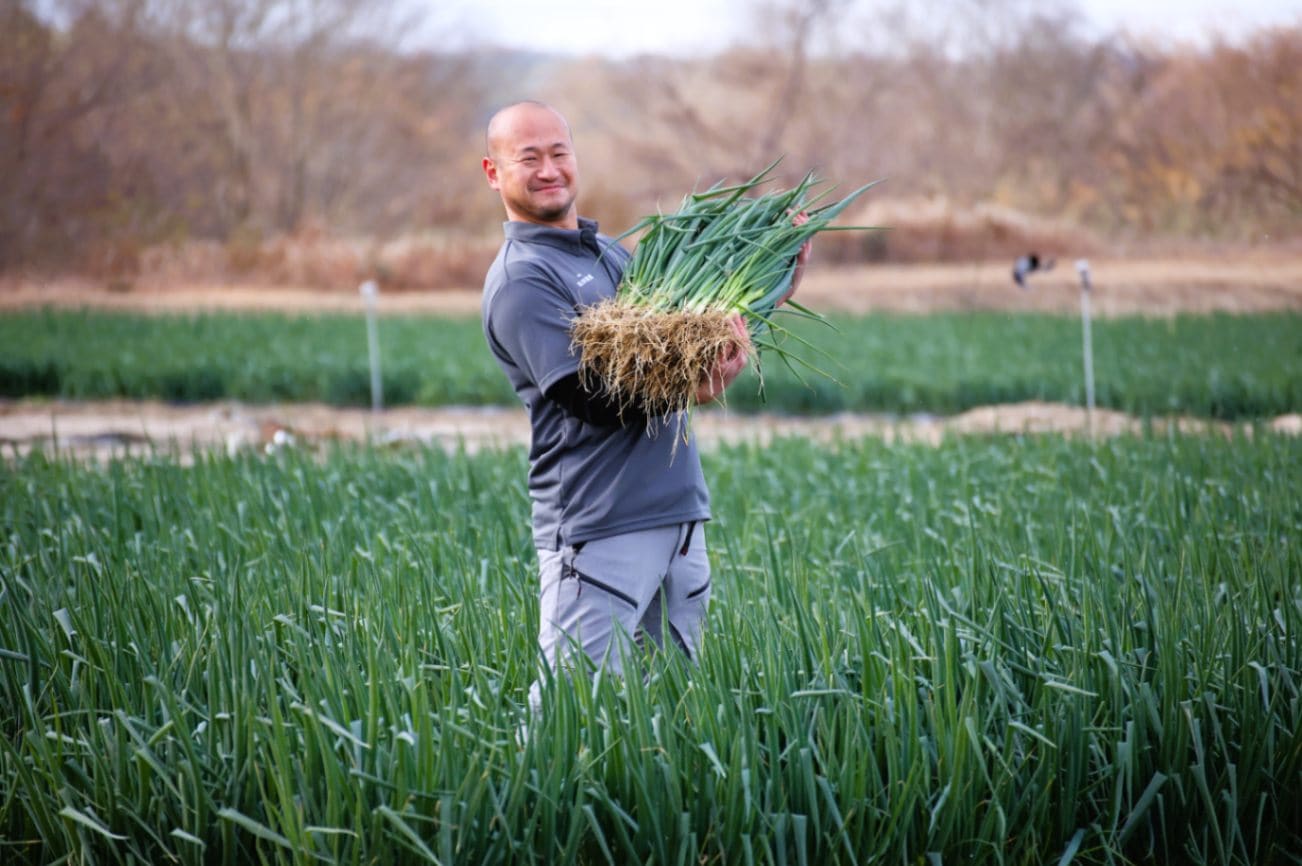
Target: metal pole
(1083, 268)
(370, 292)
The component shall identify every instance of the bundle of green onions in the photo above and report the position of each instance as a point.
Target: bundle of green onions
(723, 252)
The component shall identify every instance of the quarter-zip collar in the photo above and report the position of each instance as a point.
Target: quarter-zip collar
(580, 241)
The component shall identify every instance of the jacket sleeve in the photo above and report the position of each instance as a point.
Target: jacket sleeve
(529, 320)
(593, 407)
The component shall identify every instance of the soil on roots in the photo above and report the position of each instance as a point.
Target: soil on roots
(653, 360)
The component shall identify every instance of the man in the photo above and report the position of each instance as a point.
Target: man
(617, 514)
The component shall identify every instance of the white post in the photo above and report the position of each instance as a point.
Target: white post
(370, 292)
(1083, 268)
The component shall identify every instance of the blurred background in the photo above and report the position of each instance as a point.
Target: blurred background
(314, 143)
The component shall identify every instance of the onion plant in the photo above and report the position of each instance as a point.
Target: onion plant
(726, 251)
(1019, 650)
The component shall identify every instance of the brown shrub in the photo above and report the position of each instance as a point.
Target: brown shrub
(192, 261)
(414, 264)
(916, 231)
(935, 230)
(316, 260)
(113, 260)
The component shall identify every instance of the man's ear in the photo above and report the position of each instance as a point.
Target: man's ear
(490, 171)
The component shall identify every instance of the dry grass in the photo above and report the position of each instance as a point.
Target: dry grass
(319, 261)
(1236, 281)
(1242, 283)
(938, 230)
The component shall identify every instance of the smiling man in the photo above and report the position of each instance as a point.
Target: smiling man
(617, 514)
(531, 164)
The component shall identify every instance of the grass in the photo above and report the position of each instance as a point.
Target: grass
(1218, 366)
(258, 358)
(1016, 650)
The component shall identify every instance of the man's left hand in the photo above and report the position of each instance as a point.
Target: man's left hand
(802, 259)
(729, 364)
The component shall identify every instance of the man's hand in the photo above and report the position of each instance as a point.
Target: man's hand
(729, 364)
(802, 259)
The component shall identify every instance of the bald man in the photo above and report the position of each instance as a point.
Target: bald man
(617, 514)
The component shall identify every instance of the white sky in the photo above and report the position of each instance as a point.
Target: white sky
(687, 26)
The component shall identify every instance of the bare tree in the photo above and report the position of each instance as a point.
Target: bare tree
(60, 180)
(124, 123)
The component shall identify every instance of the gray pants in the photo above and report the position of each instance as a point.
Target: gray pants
(597, 594)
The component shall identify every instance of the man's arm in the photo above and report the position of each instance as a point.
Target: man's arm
(593, 407)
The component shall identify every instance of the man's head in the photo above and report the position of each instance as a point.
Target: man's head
(530, 162)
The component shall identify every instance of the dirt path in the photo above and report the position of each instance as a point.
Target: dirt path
(104, 428)
(1242, 284)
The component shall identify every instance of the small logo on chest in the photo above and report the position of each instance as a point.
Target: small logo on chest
(584, 279)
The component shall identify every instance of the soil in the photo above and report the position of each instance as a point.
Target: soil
(102, 429)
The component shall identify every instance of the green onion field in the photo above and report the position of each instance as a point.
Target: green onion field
(1005, 539)
(1219, 366)
(1019, 650)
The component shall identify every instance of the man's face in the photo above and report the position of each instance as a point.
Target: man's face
(531, 164)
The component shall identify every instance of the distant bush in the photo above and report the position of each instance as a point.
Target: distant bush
(938, 230)
(317, 260)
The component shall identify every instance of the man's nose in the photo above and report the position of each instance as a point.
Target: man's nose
(547, 167)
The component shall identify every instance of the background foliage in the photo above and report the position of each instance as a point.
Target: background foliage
(157, 137)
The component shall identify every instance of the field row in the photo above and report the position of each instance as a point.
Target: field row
(1219, 366)
(1020, 650)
